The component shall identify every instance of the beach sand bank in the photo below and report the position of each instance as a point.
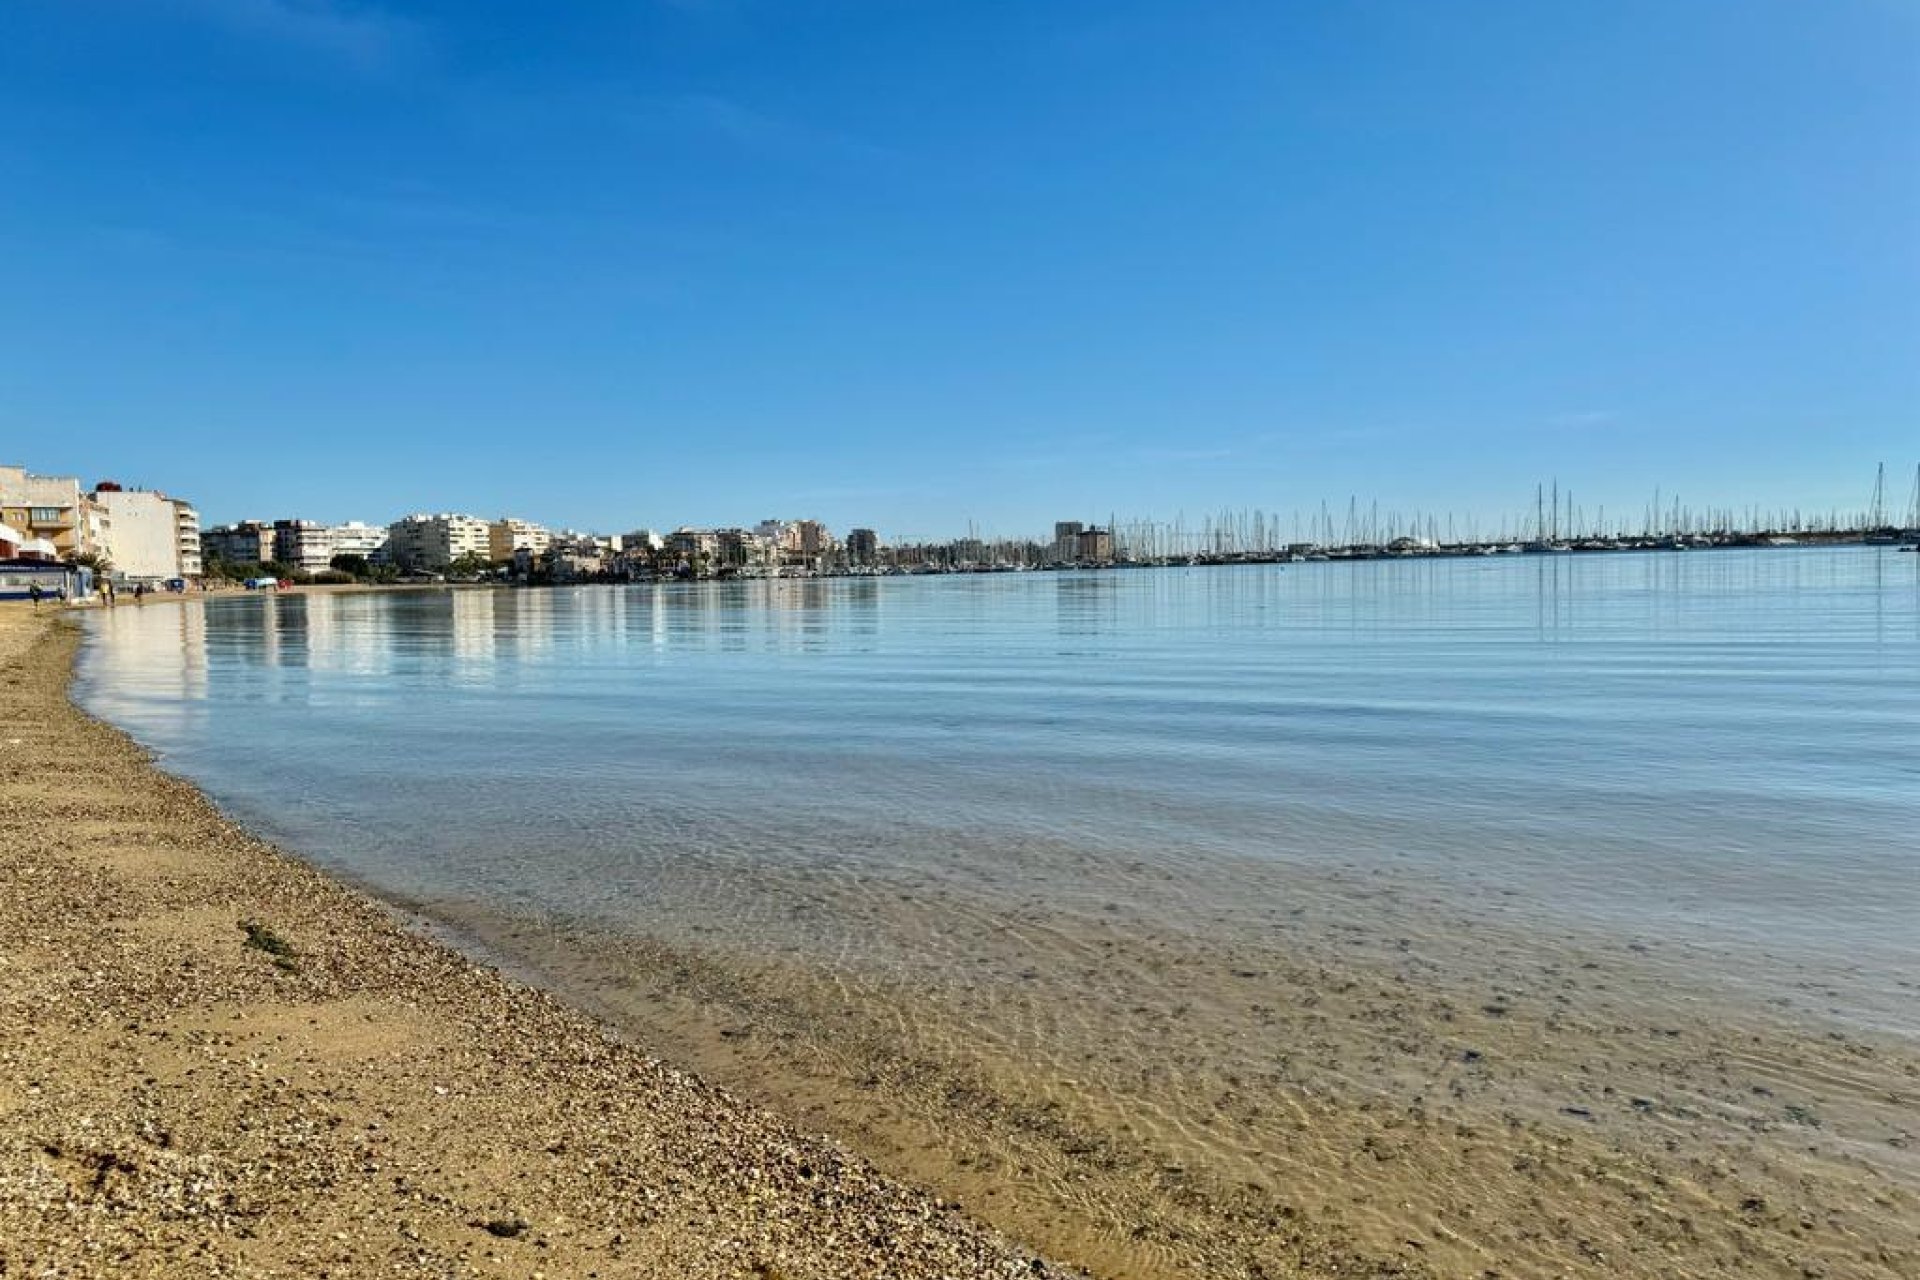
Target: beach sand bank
(215, 1061)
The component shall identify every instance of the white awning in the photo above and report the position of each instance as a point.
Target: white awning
(12, 536)
(40, 547)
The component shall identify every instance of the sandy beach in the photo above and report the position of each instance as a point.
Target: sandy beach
(216, 1062)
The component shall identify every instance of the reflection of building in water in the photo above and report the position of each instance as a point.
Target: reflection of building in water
(1086, 605)
(525, 622)
(151, 668)
(345, 633)
(863, 605)
(471, 621)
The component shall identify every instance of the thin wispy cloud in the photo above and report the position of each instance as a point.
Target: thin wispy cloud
(359, 34)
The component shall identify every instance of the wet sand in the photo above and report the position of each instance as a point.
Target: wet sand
(215, 1061)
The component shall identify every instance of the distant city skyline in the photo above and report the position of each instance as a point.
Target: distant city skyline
(919, 267)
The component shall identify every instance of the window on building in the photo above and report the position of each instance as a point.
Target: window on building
(47, 515)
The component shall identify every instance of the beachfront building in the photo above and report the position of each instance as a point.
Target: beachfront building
(186, 528)
(303, 545)
(737, 549)
(19, 545)
(49, 509)
(150, 537)
(432, 542)
(798, 544)
(863, 547)
(248, 542)
(357, 538)
(1094, 544)
(508, 535)
(1066, 539)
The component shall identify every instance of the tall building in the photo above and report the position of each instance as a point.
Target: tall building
(50, 509)
(306, 545)
(508, 535)
(355, 538)
(187, 533)
(248, 542)
(429, 542)
(1095, 544)
(1066, 539)
(149, 536)
(863, 547)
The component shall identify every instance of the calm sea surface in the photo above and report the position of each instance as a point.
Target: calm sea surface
(1719, 750)
(1152, 914)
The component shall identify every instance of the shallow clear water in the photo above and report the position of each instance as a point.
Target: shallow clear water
(1719, 750)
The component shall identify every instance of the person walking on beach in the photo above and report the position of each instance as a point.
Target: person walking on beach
(36, 593)
(139, 593)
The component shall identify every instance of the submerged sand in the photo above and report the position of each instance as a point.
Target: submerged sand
(215, 1061)
(1335, 1082)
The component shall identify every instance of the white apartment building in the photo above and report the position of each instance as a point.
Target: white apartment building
(148, 534)
(430, 542)
(306, 545)
(187, 534)
(355, 538)
(508, 535)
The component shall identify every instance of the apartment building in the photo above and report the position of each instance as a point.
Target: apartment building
(186, 528)
(49, 508)
(248, 542)
(356, 538)
(508, 535)
(306, 545)
(150, 537)
(430, 542)
(863, 547)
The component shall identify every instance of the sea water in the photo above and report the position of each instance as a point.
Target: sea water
(1717, 747)
(1148, 909)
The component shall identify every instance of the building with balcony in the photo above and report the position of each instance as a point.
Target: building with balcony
(186, 523)
(356, 538)
(49, 509)
(306, 545)
(150, 537)
(432, 542)
(248, 542)
(508, 535)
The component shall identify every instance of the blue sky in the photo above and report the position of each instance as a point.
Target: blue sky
(910, 263)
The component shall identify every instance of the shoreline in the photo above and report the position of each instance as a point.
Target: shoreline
(217, 1059)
